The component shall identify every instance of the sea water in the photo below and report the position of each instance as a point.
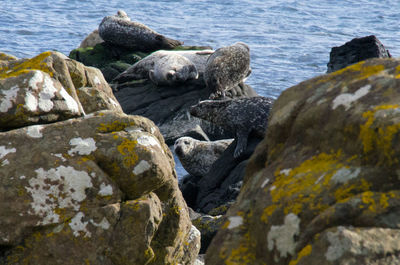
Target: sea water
(290, 41)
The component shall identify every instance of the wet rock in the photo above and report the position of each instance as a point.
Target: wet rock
(329, 160)
(100, 189)
(356, 50)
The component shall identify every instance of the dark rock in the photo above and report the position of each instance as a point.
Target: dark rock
(208, 226)
(356, 50)
(168, 106)
(223, 182)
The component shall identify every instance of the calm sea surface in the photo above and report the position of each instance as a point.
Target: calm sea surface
(290, 41)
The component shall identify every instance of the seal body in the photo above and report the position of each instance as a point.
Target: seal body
(119, 30)
(172, 69)
(226, 68)
(197, 156)
(242, 116)
(142, 68)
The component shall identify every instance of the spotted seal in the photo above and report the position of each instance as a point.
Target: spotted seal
(142, 68)
(172, 69)
(197, 156)
(226, 68)
(241, 115)
(120, 30)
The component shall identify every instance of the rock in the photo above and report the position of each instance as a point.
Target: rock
(221, 185)
(7, 57)
(350, 245)
(208, 226)
(356, 50)
(329, 160)
(110, 59)
(91, 40)
(168, 106)
(44, 89)
(100, 189)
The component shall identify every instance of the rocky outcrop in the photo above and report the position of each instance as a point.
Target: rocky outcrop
(322, 187)
(168, 106)
(98, 189)
(46, 88)
(356, 50)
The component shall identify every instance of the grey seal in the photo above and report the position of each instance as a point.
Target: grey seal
(171, 69)
(197, 156)
(242, 116)
(226, 68)
(120, 30)
(142, 68)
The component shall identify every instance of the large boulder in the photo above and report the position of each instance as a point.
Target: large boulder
(46, 88)
(101, 189)
(322, 187)
(356, 50)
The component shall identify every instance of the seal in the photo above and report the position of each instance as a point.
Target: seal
(120, 30)
(171, 69)
(197, 156)
(142, 68)
(241, 115)
(226, 68)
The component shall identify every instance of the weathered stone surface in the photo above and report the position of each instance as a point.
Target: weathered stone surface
(91, 40)
(208, 226)
(356, 50)
(44, 89)
(353, 246)
(330, 158)
(34, 97)
(100, 189)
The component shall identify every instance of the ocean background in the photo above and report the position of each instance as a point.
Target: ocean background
(290, 41)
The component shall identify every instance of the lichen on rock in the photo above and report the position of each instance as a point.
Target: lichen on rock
(329, 161)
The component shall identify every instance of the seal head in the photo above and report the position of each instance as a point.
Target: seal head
(197, 156)
(172, 69)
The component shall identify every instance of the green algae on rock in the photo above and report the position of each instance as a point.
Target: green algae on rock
(327, 168)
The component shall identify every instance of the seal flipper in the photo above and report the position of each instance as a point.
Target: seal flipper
(241, 145)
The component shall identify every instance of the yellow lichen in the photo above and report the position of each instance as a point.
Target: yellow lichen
(127, 150)
(365, 71)
(306, 251)
(397, 72)
(242, 255)
(379, 140)
(309, 185)
(36, 63)
(115, 126)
